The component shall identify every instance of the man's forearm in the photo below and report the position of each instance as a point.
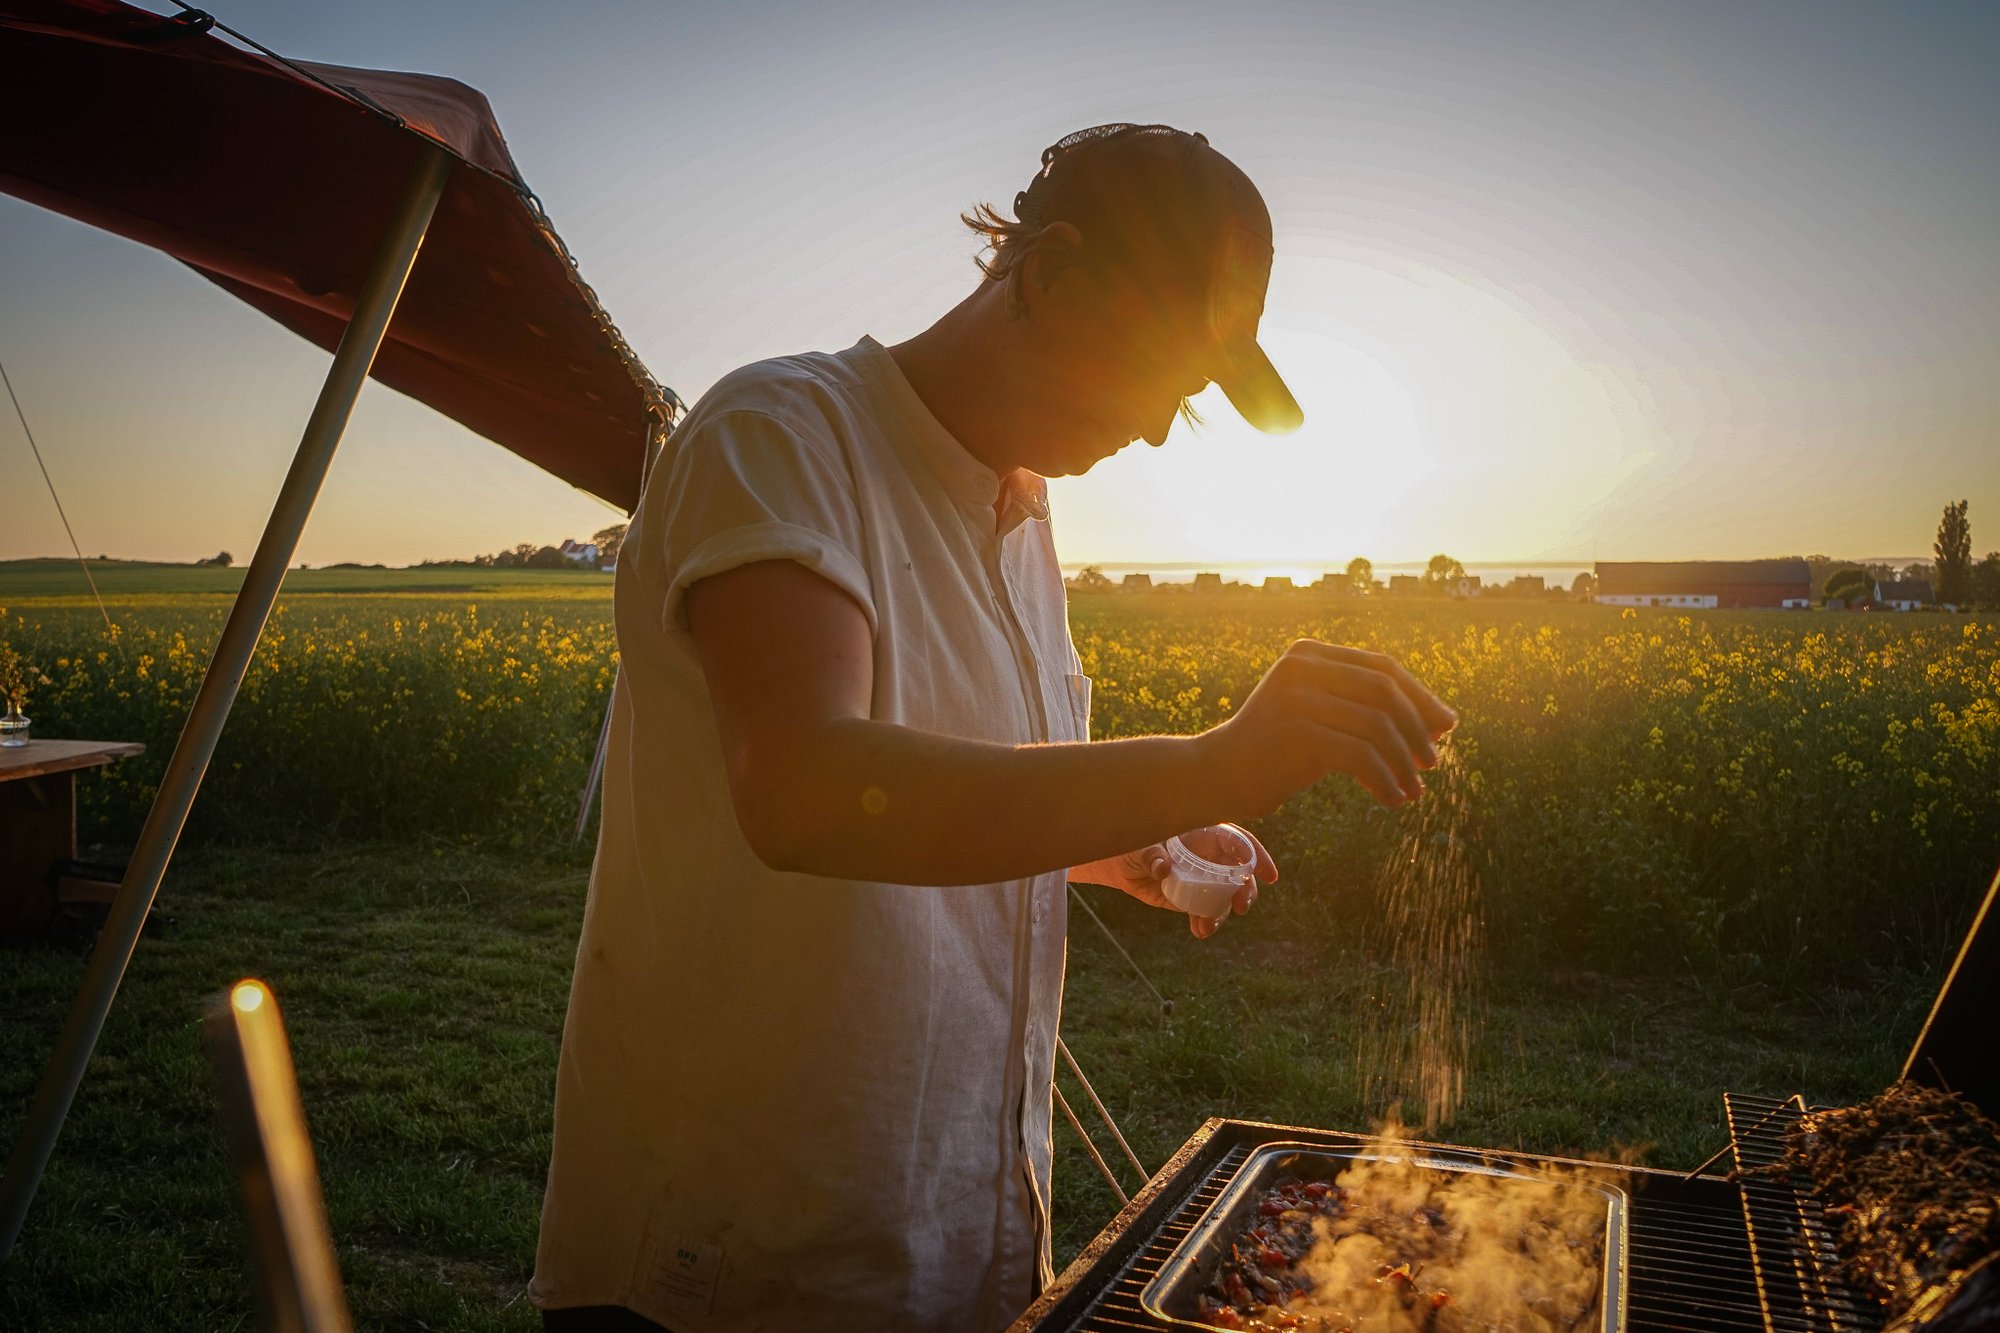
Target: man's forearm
(871, 800)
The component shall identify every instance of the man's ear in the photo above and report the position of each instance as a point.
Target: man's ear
(1057, 249)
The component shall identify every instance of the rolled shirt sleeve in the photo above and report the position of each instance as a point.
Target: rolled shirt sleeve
(747, 487)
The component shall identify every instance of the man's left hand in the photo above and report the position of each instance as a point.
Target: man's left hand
(1140, 873)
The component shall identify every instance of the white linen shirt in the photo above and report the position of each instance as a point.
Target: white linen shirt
(786, 1101)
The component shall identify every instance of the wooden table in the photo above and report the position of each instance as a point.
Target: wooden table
(38, 822)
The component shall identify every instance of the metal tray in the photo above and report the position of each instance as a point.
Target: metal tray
(1172, 1294)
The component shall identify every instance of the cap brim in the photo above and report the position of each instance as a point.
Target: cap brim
(1254, 388)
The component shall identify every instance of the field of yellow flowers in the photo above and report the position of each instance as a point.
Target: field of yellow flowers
(1800, 791)
(375, 715)
(1796, 791)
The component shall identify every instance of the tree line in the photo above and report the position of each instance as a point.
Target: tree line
(608, 541)
(1441, 576)
(1956, 579)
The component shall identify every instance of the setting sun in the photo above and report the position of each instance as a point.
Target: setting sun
(1439, 416)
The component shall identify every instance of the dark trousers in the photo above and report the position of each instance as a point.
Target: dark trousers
(597, 1319)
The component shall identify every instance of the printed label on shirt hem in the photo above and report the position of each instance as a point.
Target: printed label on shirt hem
(685, 1274)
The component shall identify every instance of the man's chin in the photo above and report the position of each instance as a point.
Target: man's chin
(1091, 455)
(1077, 458)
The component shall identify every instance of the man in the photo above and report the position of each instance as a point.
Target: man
(805, 1077)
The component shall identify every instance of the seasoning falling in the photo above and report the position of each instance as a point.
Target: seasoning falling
(1431, 912)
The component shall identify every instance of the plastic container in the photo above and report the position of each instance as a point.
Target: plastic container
(13, 728)
(1205, 868)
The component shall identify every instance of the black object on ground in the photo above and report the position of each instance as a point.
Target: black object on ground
(1911, 1182)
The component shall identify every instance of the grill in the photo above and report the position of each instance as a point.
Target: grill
(1711, 1253)
(1791, 1248)
(1688, 1255)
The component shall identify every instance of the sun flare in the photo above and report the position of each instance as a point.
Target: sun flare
(1439, 416)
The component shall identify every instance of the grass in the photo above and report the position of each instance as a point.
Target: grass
(424, 991)
(424, 986)
(127, 581)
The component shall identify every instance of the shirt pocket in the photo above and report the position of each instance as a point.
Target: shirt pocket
(1078, 690)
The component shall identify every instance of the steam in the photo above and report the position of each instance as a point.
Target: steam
(1424, 1250)
(1419, 1044)
(1498, 1252)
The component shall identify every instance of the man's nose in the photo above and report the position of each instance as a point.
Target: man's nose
(1155, 432)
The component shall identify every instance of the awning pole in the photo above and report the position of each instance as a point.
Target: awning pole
(655, 441)
(596, 774)
(182, 779)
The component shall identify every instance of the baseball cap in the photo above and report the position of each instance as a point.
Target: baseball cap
(1164, 201)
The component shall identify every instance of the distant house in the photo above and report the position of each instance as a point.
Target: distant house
(1208, 583)
(1335, 585)
(1466, 585)
(1279, 583)
(1903, 594)
(1526, 585)
(1137, 583)
(1405, 585)
(579, 553)
(1705, 584)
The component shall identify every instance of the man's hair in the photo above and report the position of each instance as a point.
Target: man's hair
(1004, 259)
(1007, 246)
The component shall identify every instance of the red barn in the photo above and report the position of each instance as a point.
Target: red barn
(1705, 583)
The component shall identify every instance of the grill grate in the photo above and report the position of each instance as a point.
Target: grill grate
(1688, 1261)
(1688, 1256)
(1791, 1248)
(1119, 1307)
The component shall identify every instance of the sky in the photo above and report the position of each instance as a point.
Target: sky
(1554, 281)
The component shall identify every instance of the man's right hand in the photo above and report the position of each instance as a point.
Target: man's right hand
(1325, 709)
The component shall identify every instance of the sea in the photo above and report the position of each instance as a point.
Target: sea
(1557, 574)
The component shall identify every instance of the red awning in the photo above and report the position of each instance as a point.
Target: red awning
(277, 181)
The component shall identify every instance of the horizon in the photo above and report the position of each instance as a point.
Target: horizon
(1632, 281)
(1330, 565)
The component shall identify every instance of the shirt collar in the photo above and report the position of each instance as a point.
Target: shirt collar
(964, 476)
